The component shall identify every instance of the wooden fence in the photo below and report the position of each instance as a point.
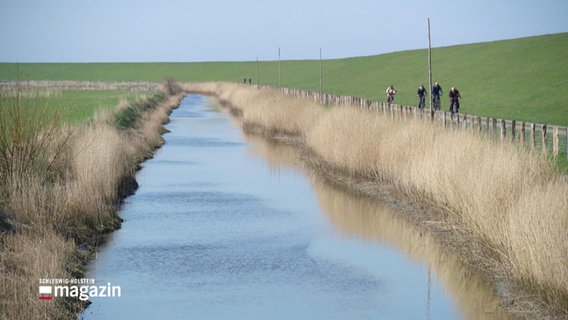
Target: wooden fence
(549, 139)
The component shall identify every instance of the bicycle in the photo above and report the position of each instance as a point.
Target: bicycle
(454, 106)
(390, 99)
(421, 102)
(436, 102)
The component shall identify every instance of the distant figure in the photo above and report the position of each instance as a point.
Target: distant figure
(455, 97)
(436, 93)
(391, 91)
(250, 81)
(245, 81)
(421, 94)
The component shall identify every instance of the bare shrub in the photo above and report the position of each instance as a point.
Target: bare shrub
(171, 87)
(33, 145)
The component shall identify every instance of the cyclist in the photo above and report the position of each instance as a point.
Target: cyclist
(390, 94)
(421, 94)
(455, 97)
(436, 93)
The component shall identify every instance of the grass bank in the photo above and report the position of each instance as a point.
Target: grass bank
(509, 202)
(73, 105)
(519, 79)
(60, 186)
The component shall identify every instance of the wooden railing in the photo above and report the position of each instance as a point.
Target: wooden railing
(548, 138)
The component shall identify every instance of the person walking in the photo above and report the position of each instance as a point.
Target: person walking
(421, 94)
(436, 93)
(455, 97)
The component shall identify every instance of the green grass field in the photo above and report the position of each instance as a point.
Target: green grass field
(520, 79)
(74, 106)
(78, 105)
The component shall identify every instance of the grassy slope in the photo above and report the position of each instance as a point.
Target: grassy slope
(78, 105)
(522, 79)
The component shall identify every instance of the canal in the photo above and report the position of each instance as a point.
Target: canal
(230, 226)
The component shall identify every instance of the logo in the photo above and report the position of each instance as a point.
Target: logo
(45, 293)
(82, 289)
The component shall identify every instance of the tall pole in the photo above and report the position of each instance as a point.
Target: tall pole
(279, 69)
(430, 70)
(257, 73)
(321, 73)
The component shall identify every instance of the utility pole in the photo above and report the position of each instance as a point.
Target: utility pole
(430, 70)
(257, 73)
(279, 69)
(321, 73)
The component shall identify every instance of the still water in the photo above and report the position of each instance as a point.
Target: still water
(229, 226)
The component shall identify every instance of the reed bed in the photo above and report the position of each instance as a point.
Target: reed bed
(513, 201)
(60, 189)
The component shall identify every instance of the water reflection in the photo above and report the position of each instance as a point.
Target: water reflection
(363, 217)
(225, 226)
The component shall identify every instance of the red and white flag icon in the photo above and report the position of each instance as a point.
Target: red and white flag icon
(45, 293)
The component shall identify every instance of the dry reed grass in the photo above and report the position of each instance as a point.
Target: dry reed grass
(512, 200)
(273, 112)
(27, 257)
(10, 92)
(362, 216)
(373, 220)
(47, 210)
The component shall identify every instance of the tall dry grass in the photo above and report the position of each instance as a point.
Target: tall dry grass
(31, 136)
(361, 216)
(512, 200)
(63, 193)
(269, 111)
(27, 257)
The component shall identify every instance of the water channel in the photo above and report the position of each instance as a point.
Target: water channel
(230, 226)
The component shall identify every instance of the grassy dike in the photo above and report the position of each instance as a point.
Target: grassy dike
(504, 207)
(519, 79)
(59, 190)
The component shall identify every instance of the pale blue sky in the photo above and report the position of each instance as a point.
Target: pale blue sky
(223, 30)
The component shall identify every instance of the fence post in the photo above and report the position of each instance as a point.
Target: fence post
(522, 133)
(555, 141)
(532, 136)
(494, 131)
(444, 118)
(513, 125)
(479, 125)
(544, 147)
